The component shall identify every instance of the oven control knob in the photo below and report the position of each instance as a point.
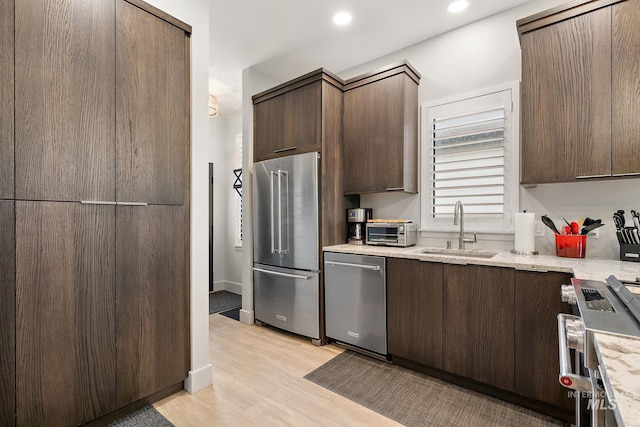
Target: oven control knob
(575, 334)
(568, 294)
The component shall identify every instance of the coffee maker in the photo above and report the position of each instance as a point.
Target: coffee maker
(357, 219)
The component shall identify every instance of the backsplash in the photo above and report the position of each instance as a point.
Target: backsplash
(594, 199)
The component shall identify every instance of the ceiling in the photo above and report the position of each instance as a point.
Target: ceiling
(298, 36)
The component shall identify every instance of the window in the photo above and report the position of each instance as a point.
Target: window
(469, 151)
(238, 163)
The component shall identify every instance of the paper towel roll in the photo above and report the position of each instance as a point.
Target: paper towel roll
(525, 241)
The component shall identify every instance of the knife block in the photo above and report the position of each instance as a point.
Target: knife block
(629, 252)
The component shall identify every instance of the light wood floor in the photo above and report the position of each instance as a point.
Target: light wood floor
(258, 381)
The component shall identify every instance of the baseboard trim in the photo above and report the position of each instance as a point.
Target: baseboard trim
(247, 317)
(225, 285)
(199, 379)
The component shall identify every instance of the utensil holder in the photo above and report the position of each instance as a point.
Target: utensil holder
(571, 245)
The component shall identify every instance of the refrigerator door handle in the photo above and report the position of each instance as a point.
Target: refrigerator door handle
(273, 248)
(277, 273)
(371, 267)
(286, 211)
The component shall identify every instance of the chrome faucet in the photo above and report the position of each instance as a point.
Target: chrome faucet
(460, 217)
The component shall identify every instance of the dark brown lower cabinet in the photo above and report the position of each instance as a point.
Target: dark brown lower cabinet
(478, 319)
(537, 297)
(7, 314)
(65, 303)
(414, 310)
(151, 300)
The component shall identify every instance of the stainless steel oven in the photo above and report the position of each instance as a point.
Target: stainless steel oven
(607, 307)
(392, 232)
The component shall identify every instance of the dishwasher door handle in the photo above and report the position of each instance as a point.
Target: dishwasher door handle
(348, 264)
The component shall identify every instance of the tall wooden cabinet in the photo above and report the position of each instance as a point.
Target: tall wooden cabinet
(7, 313)
(101, 142)
(6, 99)
(579, 86)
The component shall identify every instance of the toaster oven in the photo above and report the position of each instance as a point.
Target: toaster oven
(391, 232)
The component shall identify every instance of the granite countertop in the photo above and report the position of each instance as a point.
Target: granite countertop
(583, 268)
(619, 356)
(620, 368)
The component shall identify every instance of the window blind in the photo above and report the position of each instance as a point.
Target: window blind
(468, 163)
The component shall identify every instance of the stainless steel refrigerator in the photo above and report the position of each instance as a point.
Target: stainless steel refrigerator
(286, 277)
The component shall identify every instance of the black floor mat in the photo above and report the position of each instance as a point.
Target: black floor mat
(223, 301)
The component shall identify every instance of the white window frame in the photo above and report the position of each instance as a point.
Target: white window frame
(435, 226)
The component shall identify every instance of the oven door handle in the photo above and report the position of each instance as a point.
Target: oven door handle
(567, 378)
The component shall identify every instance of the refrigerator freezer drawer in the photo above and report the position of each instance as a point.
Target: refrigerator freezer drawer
(355, 300)
(287, 299)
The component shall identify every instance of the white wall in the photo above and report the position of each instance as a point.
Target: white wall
(196, 14)
(484, 54)
(227, 270)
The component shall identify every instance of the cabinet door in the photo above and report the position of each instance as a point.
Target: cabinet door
(566, 99)
(478, 314)
(414, 310)
(268, 133)
(6, 100)
(373, 136)
(151, 108)
(64, 100)
(152, 300)
(65, 304)
(537, 296)
(290, 123)
(626, 86)
(7, 314)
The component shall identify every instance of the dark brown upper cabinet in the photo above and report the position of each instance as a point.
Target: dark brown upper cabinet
(381, 131)
(64, 100)
(566, 99)
(292, 118)
(6, 101)
(579, 92)
(151, 108)
(625, 142)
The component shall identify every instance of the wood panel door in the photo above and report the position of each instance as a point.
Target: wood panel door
(566, 99)
(626, 88)
(268, 132)
(151, 108)
(537, 296)
(6, 99)
(65, 305)
(374, 136)
(64, 99)
(415, 310)
(7, 314)
(290, 123)
(152, 300)
(478, 314)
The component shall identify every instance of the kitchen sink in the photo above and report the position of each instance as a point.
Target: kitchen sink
(472, 253)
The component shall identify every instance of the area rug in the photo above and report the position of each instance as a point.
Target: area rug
(234, 313)
(415, 399)
(147, 416)
(223, 301)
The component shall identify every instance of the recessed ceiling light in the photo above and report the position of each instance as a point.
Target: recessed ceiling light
(342, 18)
(457, 6)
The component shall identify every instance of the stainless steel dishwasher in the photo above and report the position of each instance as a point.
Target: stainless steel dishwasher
(356, 300)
